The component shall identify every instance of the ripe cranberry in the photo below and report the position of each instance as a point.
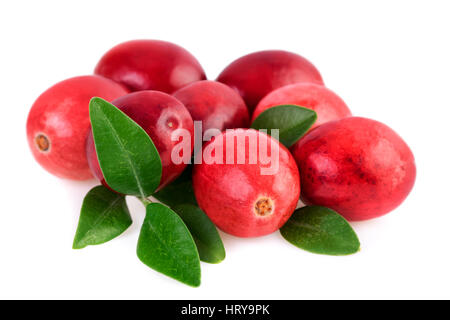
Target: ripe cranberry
(359, 167)
(257, 74)
(159, 114)
(326, 103)
(215, 104)
(150, 65)
(58, 124)
(237, 197)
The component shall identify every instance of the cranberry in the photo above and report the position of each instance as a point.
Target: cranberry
(159, 114)
(326, 103)
(58, 124)
(215, 104)
(257, 74)
(359, 167)
(150, 65)
(237, 197)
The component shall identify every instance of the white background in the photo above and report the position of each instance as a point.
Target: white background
(389, 60)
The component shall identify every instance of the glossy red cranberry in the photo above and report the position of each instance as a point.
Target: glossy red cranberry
(257, 74)
(159, 114)
(328, 105)
(215, 104)
(150, 65)
(359, 167)
(239, 196)
(58, 124)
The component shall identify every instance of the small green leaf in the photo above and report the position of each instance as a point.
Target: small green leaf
(292, 121)
(104, 216)
(204, 232)
(166, 245)
(320, 230)
(179, 191)
(128, 158)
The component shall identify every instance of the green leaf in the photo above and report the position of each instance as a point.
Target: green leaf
(104, 216)
(204, 232)
(292, 121)
(166, 245)
(320, 230)
(179, 191)
(128, 158)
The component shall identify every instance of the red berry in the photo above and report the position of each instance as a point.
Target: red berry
(257, 74)
(159, 114)
(215, 104)
(237, 197)
(326, 103)
(58, 124)
(359, 167)
(150, 65)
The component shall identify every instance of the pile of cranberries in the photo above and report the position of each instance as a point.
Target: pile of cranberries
(358, 167)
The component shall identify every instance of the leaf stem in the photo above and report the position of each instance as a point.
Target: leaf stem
(145, 201)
